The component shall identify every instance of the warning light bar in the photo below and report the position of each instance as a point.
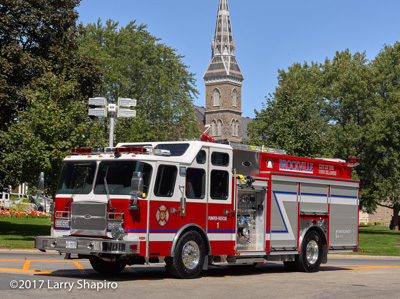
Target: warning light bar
(131, 150)
(108, 150)
(81, 151)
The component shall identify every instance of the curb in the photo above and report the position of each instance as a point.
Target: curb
(36, 251)
(362, 257)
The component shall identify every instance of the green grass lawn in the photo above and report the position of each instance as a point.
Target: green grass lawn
(379, 240)
(21, 232)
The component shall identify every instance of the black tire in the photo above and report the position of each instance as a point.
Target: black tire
(188, 258)
(105, 267)
(310, 257)
(40, 209)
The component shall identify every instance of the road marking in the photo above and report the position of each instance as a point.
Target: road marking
(26, 265)
(80, 268)
(52, 261)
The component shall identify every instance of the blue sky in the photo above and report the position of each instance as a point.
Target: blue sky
(269, 35)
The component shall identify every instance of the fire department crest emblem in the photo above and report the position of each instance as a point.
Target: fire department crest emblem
(162, 215)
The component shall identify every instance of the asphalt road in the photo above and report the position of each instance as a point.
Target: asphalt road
(49, 275)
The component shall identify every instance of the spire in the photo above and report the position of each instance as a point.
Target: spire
(223, 63)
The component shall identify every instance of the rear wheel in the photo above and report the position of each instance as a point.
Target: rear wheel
(105, 267)
(188, 258)
(310, 257)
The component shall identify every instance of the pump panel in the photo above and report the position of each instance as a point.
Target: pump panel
(250, 234)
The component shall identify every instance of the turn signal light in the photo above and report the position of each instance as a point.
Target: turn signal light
(62, 214)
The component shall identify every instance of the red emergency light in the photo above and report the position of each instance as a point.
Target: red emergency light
(353, 162)
(81, 151)
(131, 150)
(88, 151)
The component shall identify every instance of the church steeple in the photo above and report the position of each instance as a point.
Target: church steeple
(223, 61)
(223, 79)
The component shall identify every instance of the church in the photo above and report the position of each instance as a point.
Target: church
(223, 79)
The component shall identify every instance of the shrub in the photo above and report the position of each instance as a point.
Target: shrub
(378, 223)
(362, 223)
(369, 223)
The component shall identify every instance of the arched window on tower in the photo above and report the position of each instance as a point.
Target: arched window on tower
(235, 128)
(219, 127)
(234, 98)
(214, 128)
(217, 95)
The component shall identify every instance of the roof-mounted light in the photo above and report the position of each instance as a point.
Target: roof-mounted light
(132, 150)
(108, 150)
(353, 162)
(81, 151)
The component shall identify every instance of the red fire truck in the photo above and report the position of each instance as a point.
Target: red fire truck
(191, 204)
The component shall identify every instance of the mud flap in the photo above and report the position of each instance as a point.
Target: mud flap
(205, 265)
(324, 254)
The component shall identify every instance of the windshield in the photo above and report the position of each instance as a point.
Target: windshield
(118, 176)
(76, 177)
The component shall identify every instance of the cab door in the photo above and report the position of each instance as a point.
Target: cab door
(221, 215)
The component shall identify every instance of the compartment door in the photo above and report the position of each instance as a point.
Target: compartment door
(284, 215)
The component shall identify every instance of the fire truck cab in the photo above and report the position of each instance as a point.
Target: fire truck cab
(191, 204)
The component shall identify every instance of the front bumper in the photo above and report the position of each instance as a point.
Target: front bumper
(86, 246)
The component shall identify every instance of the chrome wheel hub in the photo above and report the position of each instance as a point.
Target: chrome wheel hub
(190, 255)
(312, 252)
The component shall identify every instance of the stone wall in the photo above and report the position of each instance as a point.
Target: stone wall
(225, 111)
(382, 215)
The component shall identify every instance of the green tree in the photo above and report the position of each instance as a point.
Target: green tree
(37, 37)
(137, 66)
(293, 117)
(348, 90)
(348, 86)
(383, 183)
(47, 131)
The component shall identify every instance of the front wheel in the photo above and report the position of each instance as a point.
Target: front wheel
(105, 267)
(310, 257)
(188, 258)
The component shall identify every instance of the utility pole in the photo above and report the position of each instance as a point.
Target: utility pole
(123, 109)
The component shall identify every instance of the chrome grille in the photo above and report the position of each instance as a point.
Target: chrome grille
(88, 219)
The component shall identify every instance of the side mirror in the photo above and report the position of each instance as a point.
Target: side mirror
(137, 183)
(136, 189)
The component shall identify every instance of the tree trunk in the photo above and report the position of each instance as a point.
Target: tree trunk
(396, 210)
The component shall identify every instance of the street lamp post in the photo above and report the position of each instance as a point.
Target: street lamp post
(121, 110)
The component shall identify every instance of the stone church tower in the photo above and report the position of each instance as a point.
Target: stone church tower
(223, 80)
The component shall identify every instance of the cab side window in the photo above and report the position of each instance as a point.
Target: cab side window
(165, 181)
(219, 159)
(219, 184)
(201, 157)
(195, 183)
